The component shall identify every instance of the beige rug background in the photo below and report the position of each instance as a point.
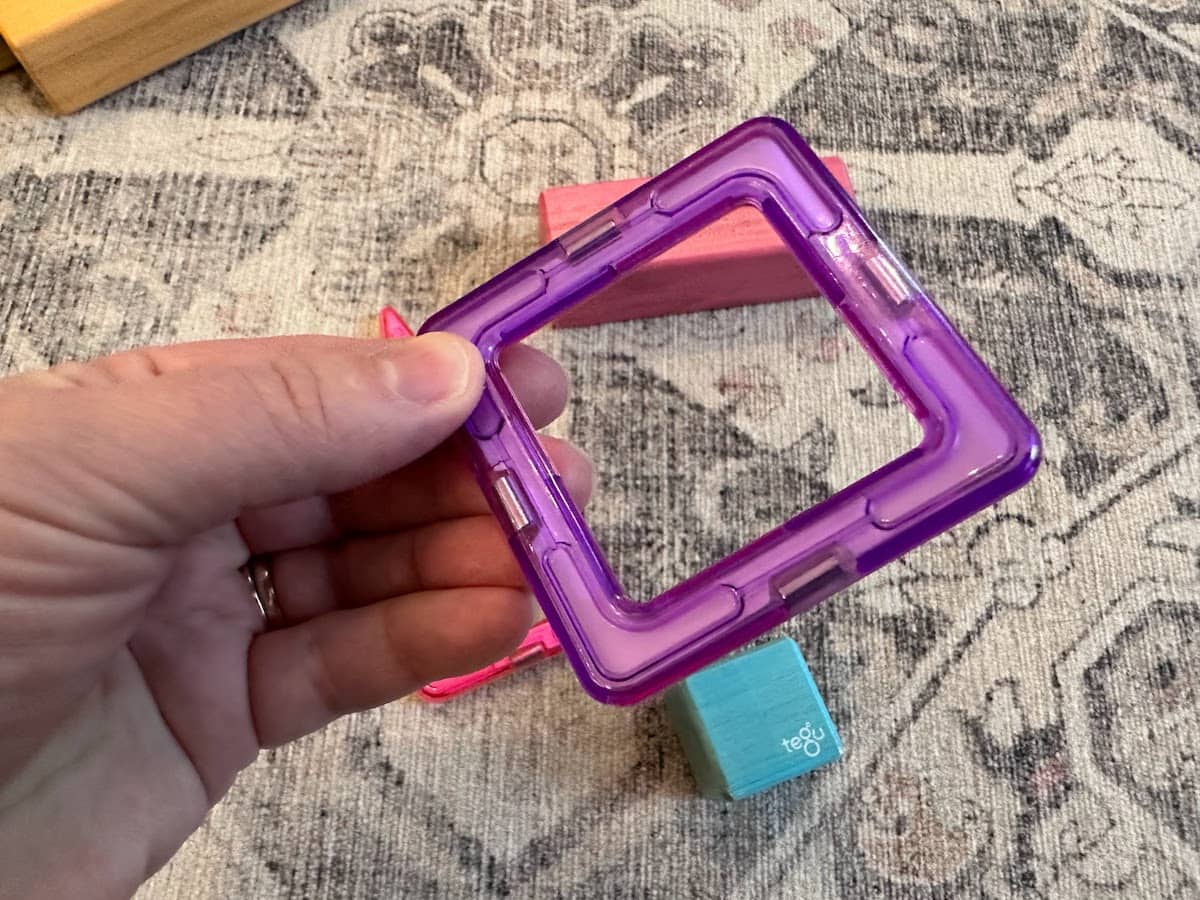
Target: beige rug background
(1018, 699)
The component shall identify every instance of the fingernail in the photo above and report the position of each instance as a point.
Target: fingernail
(429, 368)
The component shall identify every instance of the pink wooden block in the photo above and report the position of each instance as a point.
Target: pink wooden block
(735, 261)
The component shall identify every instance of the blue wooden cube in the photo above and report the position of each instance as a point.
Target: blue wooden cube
(752, 721)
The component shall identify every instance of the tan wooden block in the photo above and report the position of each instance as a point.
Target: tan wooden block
(77, 51)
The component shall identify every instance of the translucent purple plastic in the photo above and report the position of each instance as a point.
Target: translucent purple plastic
(977, 444)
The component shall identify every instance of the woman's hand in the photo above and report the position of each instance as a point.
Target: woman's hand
(135, 676)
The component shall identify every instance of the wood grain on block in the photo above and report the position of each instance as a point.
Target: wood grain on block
(77, 51)
(753, 721)
(735, 261)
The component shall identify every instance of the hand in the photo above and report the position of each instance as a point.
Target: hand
(135, 678)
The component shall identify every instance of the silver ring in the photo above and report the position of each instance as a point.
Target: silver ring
(262, 591)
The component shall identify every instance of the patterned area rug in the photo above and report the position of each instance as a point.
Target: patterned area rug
(1018, 700)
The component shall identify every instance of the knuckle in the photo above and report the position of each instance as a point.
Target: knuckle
(108, 371)
(324, 680)
(71, 374)
(133, 365)
(295, 400)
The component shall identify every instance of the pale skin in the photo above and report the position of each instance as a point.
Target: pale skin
(136, 680)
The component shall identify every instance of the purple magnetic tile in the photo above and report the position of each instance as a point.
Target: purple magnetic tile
(977, 447)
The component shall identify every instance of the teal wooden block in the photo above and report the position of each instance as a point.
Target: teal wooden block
(752, 721)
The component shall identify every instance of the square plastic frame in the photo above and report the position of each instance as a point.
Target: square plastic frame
(977, 445)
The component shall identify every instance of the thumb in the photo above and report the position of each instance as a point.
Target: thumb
(158, 459)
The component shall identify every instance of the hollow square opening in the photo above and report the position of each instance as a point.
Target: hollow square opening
(710, 428)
